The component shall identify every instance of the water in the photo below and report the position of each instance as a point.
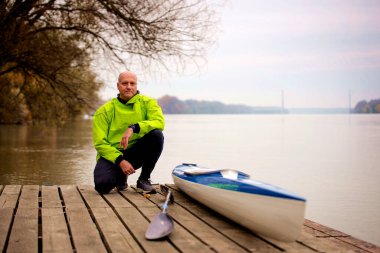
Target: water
(332, 160)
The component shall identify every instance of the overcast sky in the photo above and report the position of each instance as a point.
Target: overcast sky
(316, 51)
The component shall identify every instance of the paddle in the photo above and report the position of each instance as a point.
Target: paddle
(161, 225)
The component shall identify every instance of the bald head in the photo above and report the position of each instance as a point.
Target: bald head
(127, 73)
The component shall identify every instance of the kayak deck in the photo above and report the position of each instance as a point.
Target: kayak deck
(231, 179)
(75, 218)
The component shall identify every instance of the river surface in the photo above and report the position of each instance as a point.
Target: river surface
(332, 160)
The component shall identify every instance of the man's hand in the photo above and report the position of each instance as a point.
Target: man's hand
(126, 167)
(125, 138)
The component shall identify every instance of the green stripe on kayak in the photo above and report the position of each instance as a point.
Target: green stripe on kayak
(232, 187)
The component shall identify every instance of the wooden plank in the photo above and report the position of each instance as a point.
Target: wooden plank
(295, 246)
(324, 229)
(50, 196)
(93, 199)
(308, 242)
(213, 238)
(84, 233)
(136, 222)
(325, 244)
(29, 196)
(338, 238)
(24, 234)
(115, 233)
(137, 199)
(233, 231)
(180, 237)
(71, 196)
(116, 200)
(6, 215)
(314, 232)
(55, 236)
(360, 244)
(9, 196)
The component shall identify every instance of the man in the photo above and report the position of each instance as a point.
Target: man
(127, 135)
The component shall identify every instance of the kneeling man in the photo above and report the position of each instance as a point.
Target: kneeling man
(127, 135)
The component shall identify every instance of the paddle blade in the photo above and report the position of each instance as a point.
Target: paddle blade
(161, 225)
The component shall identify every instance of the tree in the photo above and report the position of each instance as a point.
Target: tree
(47, 47)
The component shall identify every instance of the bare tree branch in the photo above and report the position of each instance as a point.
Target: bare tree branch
(47, 46)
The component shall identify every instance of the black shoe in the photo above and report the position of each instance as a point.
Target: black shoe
(123, 187)
(145, 186)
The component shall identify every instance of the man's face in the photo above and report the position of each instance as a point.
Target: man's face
(127, 85)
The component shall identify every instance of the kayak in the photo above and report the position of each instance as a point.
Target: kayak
(263, 208)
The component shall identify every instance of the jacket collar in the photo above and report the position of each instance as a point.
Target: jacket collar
(131, 100)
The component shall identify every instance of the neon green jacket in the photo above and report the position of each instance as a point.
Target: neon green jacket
(113, 118)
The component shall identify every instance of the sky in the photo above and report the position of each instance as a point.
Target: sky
(314, 51)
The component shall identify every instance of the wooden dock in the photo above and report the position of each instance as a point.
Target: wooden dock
(71, 218)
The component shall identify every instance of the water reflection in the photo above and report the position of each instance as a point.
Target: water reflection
(46, 154)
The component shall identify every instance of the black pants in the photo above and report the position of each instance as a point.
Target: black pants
(144, 153)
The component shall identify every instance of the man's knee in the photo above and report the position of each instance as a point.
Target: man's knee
(103, 188)
(104, 176)
(156, 135)
(103, 184)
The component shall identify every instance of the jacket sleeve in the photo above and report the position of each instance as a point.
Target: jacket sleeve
(100, 128)
(154, 118)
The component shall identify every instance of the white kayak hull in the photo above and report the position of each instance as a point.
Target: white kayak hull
(275, 217)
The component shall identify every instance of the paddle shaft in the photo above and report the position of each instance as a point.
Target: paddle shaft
(165, 206)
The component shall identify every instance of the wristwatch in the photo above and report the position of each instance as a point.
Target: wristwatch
(133, 126)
